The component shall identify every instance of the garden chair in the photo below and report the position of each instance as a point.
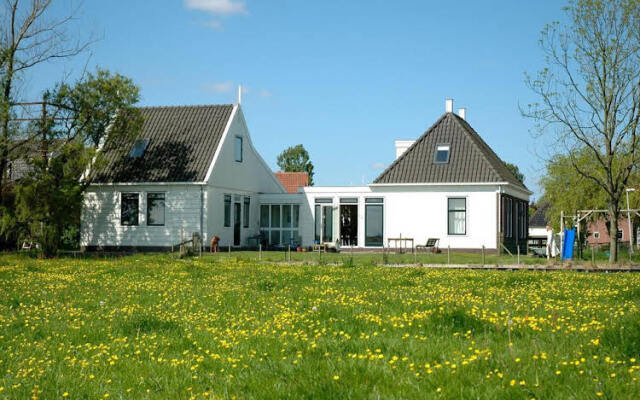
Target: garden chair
(432, 245)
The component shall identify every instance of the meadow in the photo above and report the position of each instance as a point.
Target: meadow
(158, 327)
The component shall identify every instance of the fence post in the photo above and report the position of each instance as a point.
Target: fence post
(229, 250)
(518, 255)
(289, 252)
(448, 254)
(415, 257)
(483, 255)
(260, 252)
(593, 256)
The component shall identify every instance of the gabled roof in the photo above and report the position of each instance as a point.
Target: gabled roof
(471, 160)
(293, 180)
(181, 147)
(539, 218)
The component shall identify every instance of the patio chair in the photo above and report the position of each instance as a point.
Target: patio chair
(432, 245)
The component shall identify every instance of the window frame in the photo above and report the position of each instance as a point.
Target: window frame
(246, 211)
(238, 140)
(137, 219)
(449, 211)
(164, 207)
(227, 211)
(435, 155)
(369, 203)
(270, 232)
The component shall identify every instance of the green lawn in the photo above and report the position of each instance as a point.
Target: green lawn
(152, 326)
(379, 258)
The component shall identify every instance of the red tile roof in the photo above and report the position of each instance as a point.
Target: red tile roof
(293, 180)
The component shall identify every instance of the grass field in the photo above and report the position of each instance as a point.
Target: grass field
(152, 326)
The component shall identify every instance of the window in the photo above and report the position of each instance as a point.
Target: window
(139, 148)
(596, 235)
(374, 222)
(275, 216)
(457, 215)
(238, 148)
(247, 211)
(508, 219)
(619, 234)
(264, 216)
(324, 200)
(227, 210)
(129, 208)
(442, 154)
(348, 200)
(279, 223)
(155, 209)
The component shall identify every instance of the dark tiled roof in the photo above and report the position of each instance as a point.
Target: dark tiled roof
(182, 143)
(539, 218)
(293, 180)
(470, 158)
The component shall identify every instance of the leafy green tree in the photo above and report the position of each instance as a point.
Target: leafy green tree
(49, 199)
(566, 190)
(296, 159)
(516, 171)
(589, 94)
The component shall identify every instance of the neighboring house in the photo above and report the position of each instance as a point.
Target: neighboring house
(292, 181)
(194, 169)
(598, 231)
(538, 222)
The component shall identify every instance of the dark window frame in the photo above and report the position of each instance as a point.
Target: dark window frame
(246, 212)
(238, 140)
(227, 211)
(450, 211)
(371, 204)
(435, 155)
(137, 214)
(164, 207)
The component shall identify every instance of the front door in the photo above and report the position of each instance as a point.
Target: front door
(236, 224)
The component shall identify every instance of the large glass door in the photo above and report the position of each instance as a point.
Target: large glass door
(323, 221)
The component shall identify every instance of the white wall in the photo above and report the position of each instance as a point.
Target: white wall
(418, 212)
(250, 177)
(100, 222)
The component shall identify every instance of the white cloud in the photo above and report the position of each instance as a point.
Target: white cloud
(217, 7)
(218, 87)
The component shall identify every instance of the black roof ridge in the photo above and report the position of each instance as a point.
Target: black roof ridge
(404, 154)
(185, 106)
(484, 147)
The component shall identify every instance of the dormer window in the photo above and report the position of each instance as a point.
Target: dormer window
(442, 154)
(138, 148)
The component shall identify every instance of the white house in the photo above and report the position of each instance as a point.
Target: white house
(194, 169)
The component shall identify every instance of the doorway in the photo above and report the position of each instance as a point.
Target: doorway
(349, 225)
(236, 224)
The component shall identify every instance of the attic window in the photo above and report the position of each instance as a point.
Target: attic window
(138, 148)
(442, 154)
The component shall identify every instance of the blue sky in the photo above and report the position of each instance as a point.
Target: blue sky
(344, 78)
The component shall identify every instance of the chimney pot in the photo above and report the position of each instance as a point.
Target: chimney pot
(448, 105)
(462, 113)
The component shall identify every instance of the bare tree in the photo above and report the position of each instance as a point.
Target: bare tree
(28, 37)
(590, 94)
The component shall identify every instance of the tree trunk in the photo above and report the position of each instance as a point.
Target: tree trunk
(613, 232)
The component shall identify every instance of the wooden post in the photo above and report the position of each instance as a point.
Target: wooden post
(518, 247)
(415, 258)
(448, 254)
(483, 255)
(260, 252)
(288, 255)
(229, 250)
(593, 256)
